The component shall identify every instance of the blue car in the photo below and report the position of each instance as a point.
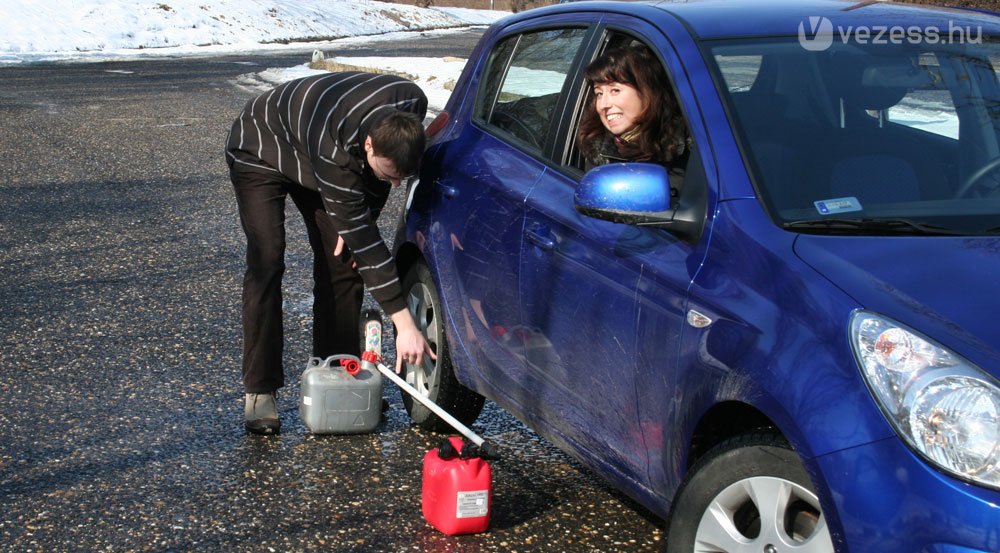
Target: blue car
(800, 350)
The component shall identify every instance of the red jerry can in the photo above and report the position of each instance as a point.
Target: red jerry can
(457, 492)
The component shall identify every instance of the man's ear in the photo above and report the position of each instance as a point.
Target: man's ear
(368, 144)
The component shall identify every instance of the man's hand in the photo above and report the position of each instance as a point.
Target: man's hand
(410, 343)
(339, 249)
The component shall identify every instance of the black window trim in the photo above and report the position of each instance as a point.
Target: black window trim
(503, 78)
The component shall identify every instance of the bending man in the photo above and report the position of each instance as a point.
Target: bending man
(335, 143)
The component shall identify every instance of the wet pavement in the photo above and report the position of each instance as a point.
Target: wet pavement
(121, 259)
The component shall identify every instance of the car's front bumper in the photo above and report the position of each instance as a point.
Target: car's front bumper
(888, 500)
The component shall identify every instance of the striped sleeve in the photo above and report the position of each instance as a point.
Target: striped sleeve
(347, 189)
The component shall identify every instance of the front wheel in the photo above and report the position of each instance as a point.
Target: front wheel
(749, 493)
(434, 379)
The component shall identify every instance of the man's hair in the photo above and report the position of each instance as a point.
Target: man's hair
(399, 137)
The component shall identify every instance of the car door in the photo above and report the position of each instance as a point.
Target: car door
(603, 308)
(485, 175)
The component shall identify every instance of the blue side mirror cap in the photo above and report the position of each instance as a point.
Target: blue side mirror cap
(639, 194)
(623, 188)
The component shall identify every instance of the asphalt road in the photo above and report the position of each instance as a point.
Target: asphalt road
(121, 259)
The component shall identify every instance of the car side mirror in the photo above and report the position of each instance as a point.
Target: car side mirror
(639, 194)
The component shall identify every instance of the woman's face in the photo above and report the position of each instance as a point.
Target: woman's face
(619, 106)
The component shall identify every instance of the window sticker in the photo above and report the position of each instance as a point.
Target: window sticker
(838, 205)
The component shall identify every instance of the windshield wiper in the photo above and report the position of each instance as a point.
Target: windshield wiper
(863, 226)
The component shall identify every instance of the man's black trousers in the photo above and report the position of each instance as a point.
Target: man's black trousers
(337, 288)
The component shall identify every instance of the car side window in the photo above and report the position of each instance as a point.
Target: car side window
(523, 80)
(576, 159)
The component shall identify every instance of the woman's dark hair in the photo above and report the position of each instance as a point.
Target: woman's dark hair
(661, 131)
(400, 137)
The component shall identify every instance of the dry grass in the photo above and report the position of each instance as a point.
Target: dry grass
(505, 5)
(448, 85)
(330, 65)
(992, 5)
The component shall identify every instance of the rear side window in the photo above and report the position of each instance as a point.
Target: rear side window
(523, 81)
(739, 72)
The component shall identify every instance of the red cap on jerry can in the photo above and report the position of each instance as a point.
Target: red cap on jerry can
(351, 366)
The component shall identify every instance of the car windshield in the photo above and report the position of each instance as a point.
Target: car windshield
(869, 138)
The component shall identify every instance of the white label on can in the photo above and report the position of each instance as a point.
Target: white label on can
(473, 504)
(307, 400)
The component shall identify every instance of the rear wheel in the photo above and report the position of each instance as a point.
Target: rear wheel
(434, 379)
(749, 493)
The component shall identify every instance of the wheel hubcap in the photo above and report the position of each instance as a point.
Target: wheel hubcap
(418, 302)
(764, 514)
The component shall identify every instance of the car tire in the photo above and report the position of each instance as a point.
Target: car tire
(434, 379)
(729, 500)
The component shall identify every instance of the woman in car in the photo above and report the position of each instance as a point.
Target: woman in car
(632, 114)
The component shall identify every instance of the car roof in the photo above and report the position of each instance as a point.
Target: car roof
(711, 19)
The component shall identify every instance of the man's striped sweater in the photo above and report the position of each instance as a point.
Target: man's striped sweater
(312, 131)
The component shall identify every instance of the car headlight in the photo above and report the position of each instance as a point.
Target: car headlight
(945, 407)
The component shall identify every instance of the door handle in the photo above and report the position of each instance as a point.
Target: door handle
(542, 241)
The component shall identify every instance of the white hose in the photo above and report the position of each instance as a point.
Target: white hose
(404, 385)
